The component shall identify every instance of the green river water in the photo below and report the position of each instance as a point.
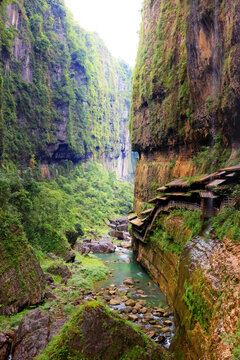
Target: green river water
(123, 265)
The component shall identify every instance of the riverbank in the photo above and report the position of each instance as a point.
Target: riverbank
(114, 279)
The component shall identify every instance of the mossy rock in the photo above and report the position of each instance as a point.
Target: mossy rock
(96, 333)
(21, 277)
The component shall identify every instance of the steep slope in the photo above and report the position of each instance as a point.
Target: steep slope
(63, 96)
(185, 89)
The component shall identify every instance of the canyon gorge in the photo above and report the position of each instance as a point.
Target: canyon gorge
(77, 128)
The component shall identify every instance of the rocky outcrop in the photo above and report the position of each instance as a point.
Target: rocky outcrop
(185, 89)
(72, 98)
(32, 335)
(61, 270)
(21, 277)
(5, 345)
(119, 228)
(95, 332)
(103, 246)
(207, 301)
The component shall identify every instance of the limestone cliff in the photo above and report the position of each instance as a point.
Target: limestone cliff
(185, 87)
(62, 95)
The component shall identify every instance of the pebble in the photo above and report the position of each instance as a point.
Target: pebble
(130, 302)
(168, 322)
(150, 334)
(160, 310)
(126, 310)
(165, 329)
(128, 281)
(132, 317)
(116, 301)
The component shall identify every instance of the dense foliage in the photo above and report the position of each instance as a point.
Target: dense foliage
(58, 85)
(173, 231)
(227, 223)
(47, 209)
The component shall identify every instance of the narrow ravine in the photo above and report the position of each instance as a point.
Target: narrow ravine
(131, 291)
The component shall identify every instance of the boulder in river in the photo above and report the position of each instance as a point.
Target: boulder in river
(130, 302)
(119, 228)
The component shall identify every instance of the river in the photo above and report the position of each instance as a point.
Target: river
(123, 265)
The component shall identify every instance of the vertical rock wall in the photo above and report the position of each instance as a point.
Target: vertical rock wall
(185, 88)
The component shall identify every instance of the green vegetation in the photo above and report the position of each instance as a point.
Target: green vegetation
(10, 322)
(66, 78)
(234, 339)
(211, 159)
(172, 232)
(45, 210)
(89, 270)
(227, 223)
(198, 308)
(161, 69)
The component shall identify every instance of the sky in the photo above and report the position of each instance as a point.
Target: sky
(116, 21)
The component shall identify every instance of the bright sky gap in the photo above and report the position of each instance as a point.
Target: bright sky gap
(116, 22)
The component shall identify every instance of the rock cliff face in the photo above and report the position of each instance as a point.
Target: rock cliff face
(185, 121)
(203, 286)
(63, 96)
(185, 87)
